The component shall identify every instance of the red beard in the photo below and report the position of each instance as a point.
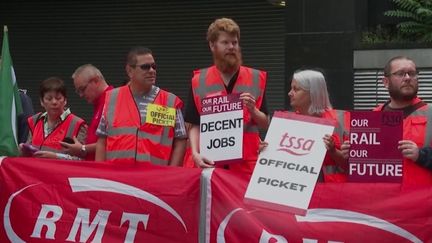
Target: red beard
(227, 63)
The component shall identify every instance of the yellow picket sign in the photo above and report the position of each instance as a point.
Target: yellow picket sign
(160, 115)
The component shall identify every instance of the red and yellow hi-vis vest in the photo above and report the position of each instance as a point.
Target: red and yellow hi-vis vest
(67, 128)
(129, 140)
(333, 172)
(208, 82)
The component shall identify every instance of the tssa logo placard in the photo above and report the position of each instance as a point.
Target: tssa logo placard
(287, 170)
(221, 128)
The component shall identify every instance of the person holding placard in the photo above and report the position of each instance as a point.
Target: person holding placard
(227, 76)
(309, 96)
(401, 81)
(141, 122)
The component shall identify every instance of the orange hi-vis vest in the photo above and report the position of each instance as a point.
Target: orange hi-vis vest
(129, 139)
(333, 172)
(417, 127)
(67, 128)
(208, 82)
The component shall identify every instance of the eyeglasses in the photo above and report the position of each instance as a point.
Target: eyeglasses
(82, 89)
(401, 74)
(146, 66)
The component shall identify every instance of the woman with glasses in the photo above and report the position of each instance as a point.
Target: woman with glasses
(56, 124)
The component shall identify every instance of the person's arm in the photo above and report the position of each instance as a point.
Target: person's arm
(199, 160)
(425, 157)
(75, 149)
(101, 132)
(261, 119)
(193, 118)
(178, 151)
(100, 149)
(410, 150)
(345, 147)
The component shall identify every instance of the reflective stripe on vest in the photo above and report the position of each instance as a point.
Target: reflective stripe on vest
(141, 134)
(128, 154)
(71, 128)
(203, 89)
(428, 114)
(340, 129)
(166, 140)
(254, 89)
(111, 107)
(162, 139)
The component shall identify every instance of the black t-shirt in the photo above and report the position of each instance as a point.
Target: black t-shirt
(406, 110)
(191, 112)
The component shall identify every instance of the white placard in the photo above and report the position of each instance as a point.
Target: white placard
(221, 129)
(287, 170)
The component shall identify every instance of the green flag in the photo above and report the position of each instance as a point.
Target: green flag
(10, 102)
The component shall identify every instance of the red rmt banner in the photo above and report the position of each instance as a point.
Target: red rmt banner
(69, 201)
(65, 201)
(338, 212)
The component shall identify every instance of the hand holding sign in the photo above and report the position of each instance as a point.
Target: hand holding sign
(201, 161)
(345, 147)
(221, 130)
(329, 142)
(409, 149)
(248, 101)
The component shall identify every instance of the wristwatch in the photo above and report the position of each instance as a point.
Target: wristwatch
(83, 150)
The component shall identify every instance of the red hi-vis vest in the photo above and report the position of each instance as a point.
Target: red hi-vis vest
(208, 82)
(417, 127)
(128, 139)
(67, 128)
(333, 172)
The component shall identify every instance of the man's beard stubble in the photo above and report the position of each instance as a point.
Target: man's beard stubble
(228, 63)
(397, 94)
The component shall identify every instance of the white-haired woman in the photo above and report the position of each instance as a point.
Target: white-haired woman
(309, 96)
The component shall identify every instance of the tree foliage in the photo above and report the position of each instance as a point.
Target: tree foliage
(416, 19)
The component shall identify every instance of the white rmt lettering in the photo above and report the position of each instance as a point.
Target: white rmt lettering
(134, 219)
(43, 220)
(82, 220)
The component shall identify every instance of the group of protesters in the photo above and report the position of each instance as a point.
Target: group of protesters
(140, 122)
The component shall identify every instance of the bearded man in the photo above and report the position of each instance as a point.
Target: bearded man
(227, 76)
(401, 80)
